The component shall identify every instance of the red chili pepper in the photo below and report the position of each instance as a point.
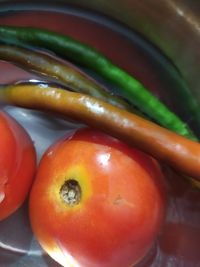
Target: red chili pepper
(175, 150)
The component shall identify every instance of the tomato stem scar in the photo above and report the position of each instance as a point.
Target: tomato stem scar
(70, 192)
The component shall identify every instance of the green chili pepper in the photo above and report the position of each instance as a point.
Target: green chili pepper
(132, 89)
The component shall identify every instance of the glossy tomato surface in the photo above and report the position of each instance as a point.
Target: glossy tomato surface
(96, 201)
(17, 164)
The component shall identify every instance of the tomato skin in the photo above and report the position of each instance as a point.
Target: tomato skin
(122, 203)
(17, 164)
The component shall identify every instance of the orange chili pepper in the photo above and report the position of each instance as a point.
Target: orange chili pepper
(177, 151)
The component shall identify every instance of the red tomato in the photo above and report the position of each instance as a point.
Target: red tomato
(17, 164)
(96, 202)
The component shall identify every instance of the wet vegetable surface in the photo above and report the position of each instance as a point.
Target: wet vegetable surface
(170, 148)
(183, 199)
(104, 201)
(82, 54)
(17, 165)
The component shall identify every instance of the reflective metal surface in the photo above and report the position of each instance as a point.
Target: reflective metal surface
(173, 27)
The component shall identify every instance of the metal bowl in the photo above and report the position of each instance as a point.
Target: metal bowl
(157, 42)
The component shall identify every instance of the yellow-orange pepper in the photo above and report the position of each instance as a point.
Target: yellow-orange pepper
(177, 151)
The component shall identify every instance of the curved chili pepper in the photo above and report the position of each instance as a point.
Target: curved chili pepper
(132, 89)
(63, 73)
(175, 150)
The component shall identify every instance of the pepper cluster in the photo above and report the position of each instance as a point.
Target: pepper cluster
(166, 140)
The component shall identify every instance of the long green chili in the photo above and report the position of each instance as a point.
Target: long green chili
(69, 48)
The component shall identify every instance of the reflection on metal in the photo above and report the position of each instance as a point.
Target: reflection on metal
(172, 25)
